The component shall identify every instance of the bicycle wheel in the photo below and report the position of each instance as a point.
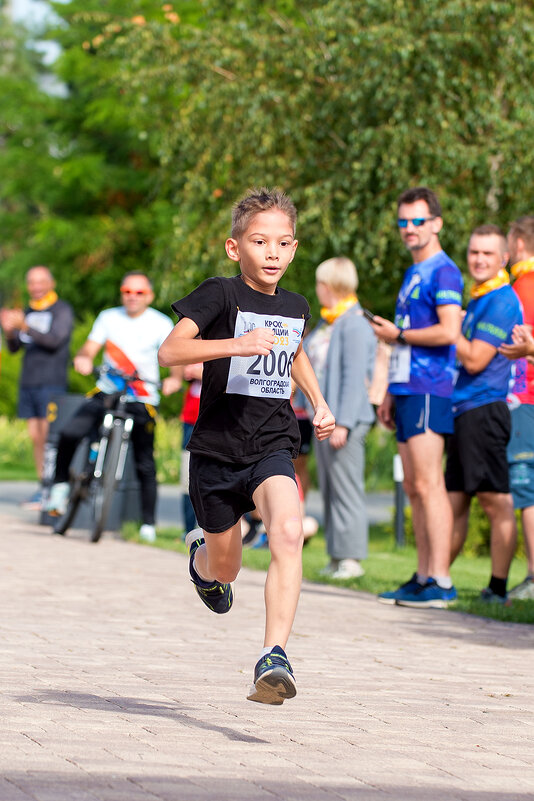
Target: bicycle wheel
(103, 488)
(78, 491)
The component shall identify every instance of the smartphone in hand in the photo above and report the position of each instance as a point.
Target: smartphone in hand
(368, 314)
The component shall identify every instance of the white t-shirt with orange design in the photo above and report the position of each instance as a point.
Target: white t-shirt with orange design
(132, 344)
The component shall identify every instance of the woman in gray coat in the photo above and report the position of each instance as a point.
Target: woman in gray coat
(342, 351)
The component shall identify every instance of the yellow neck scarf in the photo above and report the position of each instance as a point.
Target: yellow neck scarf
(44, 303)
(522, 267)
(501, 279)
(331, 315)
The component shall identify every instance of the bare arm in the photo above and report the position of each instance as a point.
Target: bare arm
(445, 332)
(303, 375)
(83, 361)
(475, 355)
(182, 346)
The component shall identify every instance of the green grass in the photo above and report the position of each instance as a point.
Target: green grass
(385, 567)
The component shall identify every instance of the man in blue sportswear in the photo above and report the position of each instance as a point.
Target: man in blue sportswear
(477, 463)
(427, 325)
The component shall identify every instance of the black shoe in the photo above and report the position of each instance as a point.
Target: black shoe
(217, 597)
(254, 533)
(273, 679)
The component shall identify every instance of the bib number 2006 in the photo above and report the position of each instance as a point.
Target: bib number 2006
(282, 364)
(265, 376)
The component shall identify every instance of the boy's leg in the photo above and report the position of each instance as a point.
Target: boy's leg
(216, 558)
(277, 501)
(219, 557)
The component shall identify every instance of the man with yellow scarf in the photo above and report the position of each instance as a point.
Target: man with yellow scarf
(476, 456)
(521, 445)
(43, 329)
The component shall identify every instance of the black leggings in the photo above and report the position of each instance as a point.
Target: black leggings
(86, 422)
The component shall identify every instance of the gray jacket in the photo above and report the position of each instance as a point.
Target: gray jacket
(349, 368)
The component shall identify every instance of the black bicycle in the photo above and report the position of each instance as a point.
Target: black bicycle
(102, 461)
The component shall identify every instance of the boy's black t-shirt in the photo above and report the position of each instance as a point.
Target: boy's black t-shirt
(245, 410)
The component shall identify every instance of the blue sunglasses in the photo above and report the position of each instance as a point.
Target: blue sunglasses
(417, 221)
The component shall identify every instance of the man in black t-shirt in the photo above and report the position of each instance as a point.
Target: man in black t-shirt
(43, 329)
(248, 333)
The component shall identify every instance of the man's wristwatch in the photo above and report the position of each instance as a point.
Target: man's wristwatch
(401, 339)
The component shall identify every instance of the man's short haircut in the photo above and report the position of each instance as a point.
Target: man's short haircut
(491, 230)
(40, 267)
(339, 274)
(257, 200)
(137, 273)
(422, 193)
(524, 228)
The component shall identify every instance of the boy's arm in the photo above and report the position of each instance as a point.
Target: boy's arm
(183, 347)
(303, 375)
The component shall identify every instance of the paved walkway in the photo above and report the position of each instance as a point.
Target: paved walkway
(118, 685)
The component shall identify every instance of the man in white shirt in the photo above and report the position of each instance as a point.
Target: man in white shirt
(131, 335)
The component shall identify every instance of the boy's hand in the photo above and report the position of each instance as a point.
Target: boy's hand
(256, 343)
(324, 422)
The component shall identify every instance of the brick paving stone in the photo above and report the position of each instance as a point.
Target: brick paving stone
(118, 685)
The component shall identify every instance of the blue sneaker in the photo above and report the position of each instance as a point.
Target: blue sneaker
(273, 679)
(216, 596)
(408, 587)
(430, 596)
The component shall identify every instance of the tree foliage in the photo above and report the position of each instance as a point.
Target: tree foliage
(175, 109)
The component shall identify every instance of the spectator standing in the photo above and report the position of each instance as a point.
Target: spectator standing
(43, 330)
(427, 325)
(130, 335)
(192, 373)
(476, 460)
(342, 350)
(521, 445)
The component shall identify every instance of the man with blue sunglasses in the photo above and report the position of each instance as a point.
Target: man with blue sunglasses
(418, 404)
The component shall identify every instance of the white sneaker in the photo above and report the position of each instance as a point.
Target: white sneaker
(147, 532)
(348, 568)
(58, 500)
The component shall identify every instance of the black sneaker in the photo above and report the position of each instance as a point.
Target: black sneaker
(273, 679)
(217, 597)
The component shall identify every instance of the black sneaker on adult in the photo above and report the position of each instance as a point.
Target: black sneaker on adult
(273, 679)
(216, 596)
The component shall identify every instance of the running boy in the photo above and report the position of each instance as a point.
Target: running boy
(247, 433)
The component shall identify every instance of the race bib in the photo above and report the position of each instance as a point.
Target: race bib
(265, 376)
(399, 364)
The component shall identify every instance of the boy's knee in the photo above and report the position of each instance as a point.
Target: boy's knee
(286, 536)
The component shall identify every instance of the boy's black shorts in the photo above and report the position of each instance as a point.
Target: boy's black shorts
(476, 452)
(221, 492)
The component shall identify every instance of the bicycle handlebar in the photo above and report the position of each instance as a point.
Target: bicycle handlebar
(105, 369)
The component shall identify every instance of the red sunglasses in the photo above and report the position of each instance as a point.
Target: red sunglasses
(134, 291)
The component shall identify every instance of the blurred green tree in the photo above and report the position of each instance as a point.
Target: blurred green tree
(174, 109)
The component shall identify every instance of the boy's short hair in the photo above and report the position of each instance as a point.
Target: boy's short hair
(524, 228)
(339, 274)
(257, 200)
(421, 193)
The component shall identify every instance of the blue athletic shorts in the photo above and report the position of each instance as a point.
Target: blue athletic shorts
(521, 456)
(415, 414)
(34, 400)
(221, 492)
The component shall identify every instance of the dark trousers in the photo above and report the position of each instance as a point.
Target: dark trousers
(86, 422)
